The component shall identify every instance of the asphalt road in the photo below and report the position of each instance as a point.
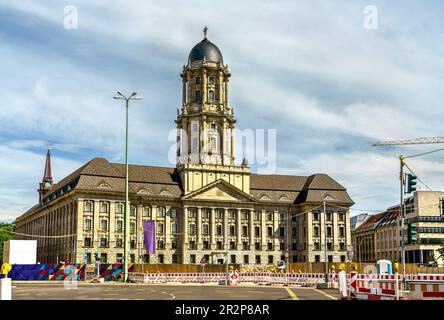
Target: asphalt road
(115, 291)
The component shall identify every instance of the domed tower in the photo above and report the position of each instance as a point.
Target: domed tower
(206, 120)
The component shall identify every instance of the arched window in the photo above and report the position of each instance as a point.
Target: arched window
(88, 206)
(104, 207)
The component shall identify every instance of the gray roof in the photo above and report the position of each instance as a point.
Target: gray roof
(205, 49)
(165, 182)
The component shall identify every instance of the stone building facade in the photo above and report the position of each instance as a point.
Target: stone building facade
(207, 206)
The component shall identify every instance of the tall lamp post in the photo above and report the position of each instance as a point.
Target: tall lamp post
(121, 96)
(325, 240)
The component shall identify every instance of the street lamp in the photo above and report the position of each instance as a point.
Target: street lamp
(121, 96)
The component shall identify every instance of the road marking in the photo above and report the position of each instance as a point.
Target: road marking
(291, 293)
(325, 294)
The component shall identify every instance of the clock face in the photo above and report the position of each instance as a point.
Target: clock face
(47, 184)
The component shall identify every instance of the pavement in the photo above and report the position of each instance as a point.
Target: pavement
(120, 291)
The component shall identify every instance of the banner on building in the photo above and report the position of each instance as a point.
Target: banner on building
(149, 236)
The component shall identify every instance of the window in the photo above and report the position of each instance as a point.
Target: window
(174, 258)
(104, 207)
(174, 229)
(330, 258)
(329, 246)
(257, 216)
(87, 242)
(205, 213)
(315, 215)
(146, 212)
(206, 245)
(329, 215)
(133, 211)
(173, 212)
(192, 245)
(270, 216)
(233, 258)
(192, 229)
(211, 80)
(246, 259)
(218, 213)
(282, 216)
(257, 231)
(132, 228)
(245, 231)
(88, 206)
(119, 243)
(104, 225)
(258, 259)
(270, 231)
(341, 216)
(270, 246)
(197, 97)
(315, 231)
(281, 232)
(245, 246)
(232, 214)
(282, 246)
(294, 232)
(341, 231)
(160, 228)
(211, 96)
(197, 80)
(146, 258)
(160, 244)
(133, 244)
(316, 246)
(329, 231)
(270, 259)
(119, 225)
(232, 230)
(191, 213)
(317, 258)
(257, 246)
(342, 258)
(219, 245)
(244, 215)
(119, 208)
(342, 246)
(103, 258)
(160, 258)
(232, 245)
(87, 225)
(205, 229)
(103, 242)
(219, 230)
(174, 244)
(160, 212)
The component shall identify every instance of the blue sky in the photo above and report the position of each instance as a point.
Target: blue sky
(309, 69)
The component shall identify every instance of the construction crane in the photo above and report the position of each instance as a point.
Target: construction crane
(431, 140)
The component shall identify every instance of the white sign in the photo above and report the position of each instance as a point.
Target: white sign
(20, 251)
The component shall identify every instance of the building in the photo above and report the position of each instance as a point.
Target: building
(206, 206)
(357, 220)
(379, 237)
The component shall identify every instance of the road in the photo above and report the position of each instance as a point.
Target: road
(117, 291)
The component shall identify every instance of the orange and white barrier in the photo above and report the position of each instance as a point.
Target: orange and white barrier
(426, 286)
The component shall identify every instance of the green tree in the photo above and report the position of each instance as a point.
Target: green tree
(6, 230)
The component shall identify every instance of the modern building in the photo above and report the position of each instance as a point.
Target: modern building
(379, 237)
(207, 206)
(357, 220)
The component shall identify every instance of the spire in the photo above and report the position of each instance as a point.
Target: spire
(47, 182)
(48, 175)
(205, 30)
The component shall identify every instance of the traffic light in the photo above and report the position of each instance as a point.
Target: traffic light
(411, 183)
(411, 233)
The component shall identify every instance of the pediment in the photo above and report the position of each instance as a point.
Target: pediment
(220, 190)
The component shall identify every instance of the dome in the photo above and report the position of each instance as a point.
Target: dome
(205, 49)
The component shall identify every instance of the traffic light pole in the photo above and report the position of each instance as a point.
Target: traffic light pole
(401, 177)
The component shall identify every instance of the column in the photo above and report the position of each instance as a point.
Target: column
(238, 230)
(167, 233)
(222, 141)
(199, 229)
(227, 102)
(220, 87)
(204, 86)
(335, 230)
(188, 85)
(212, 230)
(184, 89)
(251, 228)
(178, 147)
(276, 229)
(232, 143)
(263, 230)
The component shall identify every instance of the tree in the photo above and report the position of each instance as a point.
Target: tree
(6, 230)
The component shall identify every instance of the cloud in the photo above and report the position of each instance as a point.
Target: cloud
(310, 70)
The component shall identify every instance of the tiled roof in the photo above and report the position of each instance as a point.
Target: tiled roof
(371, 222)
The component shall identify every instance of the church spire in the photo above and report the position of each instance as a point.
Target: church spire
(47, 181)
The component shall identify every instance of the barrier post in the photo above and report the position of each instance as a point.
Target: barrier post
(396, 286)
(353, 284)
(342, 285)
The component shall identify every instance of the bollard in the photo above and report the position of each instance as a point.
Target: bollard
(5, 289)
(343, 294)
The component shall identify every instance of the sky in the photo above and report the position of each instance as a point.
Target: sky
(314, 71)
